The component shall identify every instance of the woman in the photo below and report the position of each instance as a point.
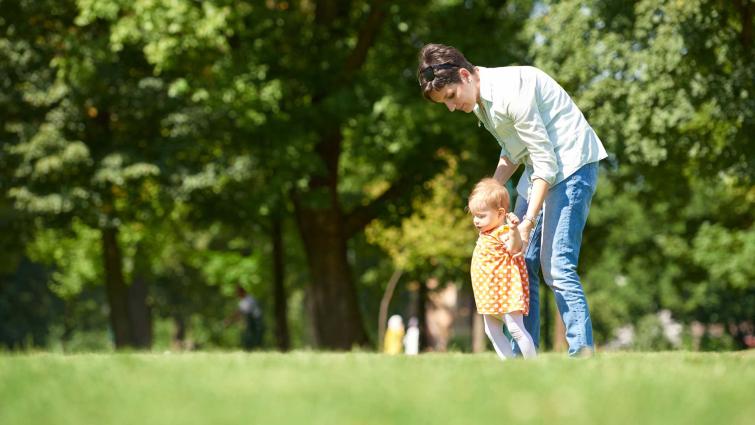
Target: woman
(537, 124)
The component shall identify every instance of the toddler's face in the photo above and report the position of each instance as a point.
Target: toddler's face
(488, 219)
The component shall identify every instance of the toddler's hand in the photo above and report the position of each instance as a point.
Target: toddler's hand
(513, 219)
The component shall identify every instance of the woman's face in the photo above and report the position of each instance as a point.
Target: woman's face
(459, 96)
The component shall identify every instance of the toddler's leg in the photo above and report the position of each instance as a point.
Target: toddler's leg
(515, 325)
(494, 331)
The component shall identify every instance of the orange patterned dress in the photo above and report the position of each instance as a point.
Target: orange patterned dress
(499, 280)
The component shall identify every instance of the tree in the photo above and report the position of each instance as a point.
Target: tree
(667, 85)
(365, 125)
(81, 122)
(436, 241)
(302, 107)
(345, 121)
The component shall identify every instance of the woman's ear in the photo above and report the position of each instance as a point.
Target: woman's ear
(465, 75)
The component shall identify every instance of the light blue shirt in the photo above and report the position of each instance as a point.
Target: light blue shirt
(536, 123)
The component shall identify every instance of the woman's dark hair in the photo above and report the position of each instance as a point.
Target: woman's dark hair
(439, 66)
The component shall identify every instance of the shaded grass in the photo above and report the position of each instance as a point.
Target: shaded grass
(362, 388)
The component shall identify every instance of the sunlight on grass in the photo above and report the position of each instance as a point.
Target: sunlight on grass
(363, 388)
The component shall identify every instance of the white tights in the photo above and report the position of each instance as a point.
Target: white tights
(515, 325)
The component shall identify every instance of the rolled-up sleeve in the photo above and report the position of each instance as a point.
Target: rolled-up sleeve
(529, 126)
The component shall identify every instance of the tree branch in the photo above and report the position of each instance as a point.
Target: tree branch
(400, 190)
(745, 11)
(365, 39)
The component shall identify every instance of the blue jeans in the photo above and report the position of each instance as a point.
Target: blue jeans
(554, 245)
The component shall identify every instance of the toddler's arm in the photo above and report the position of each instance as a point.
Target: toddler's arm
(514, 241)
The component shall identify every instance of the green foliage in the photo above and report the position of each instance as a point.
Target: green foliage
(668, 87)
(437, 239)
(189, 125)
(713, 247)
(28, 308)
(74, 255)
(13, 232)
(723, 342)
(668, 83)
(650, 335)
(80, 341)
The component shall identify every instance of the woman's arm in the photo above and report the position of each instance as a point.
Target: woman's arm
(537, 195)
(504, 170)
(529, 126)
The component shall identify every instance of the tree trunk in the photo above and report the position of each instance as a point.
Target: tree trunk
(179, 332)
(282, 338)
(117, 293)
(384, 303)
(337, 322)
(139, 313)
(745, 8)
(425, 340)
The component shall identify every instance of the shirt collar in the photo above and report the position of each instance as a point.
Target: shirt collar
(496, 231)
(486, 84)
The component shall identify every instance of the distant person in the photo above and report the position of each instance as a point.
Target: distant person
(411, 340)
(499, 275)
(248, 309)
(394, 335)
(537, 124)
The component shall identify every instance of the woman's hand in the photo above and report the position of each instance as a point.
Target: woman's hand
(525, 229)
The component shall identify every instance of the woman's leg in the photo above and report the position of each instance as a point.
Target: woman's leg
(564, 216)
(515, 325)
(494, 331)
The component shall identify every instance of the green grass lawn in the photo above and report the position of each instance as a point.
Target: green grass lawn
(362, 388)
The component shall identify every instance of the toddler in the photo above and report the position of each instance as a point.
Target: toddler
(499, 276)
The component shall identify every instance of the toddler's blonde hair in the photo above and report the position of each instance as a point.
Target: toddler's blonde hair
(488, 194)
